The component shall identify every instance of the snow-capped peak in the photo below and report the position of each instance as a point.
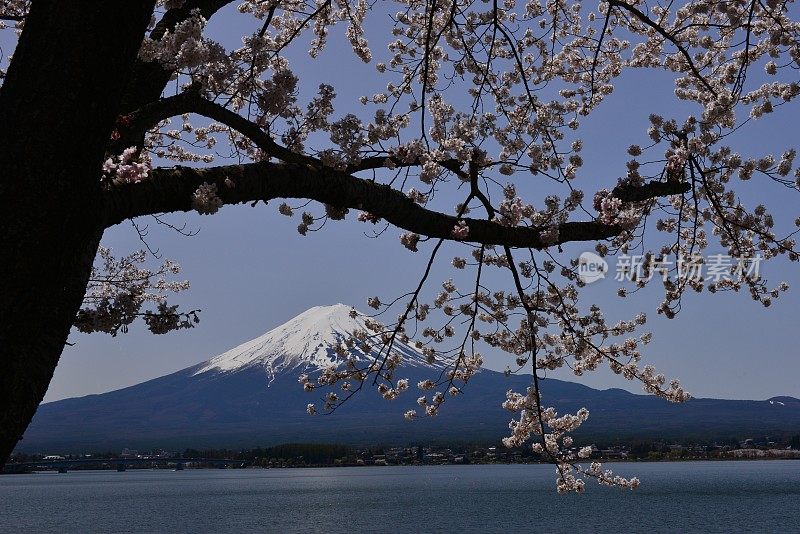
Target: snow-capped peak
(307, 341)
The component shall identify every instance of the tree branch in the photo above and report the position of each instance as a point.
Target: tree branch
(149, 79)
(667, 36)
(193, 102)
(171, 190)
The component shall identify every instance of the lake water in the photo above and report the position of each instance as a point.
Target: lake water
(752, 496)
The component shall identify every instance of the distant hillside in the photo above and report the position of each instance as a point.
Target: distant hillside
(249, 396)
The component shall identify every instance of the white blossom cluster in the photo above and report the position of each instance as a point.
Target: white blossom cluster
(128, 167)
(12, 15)
(205, 199)
(184, 47)
(119, 289)
(188, 143)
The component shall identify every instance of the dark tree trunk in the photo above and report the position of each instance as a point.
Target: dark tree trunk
(58, 106)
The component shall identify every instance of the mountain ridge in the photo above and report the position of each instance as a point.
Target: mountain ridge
(249, 396)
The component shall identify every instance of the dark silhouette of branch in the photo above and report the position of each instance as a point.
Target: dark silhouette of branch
(192, 102)
(170, 190)
(667, 36)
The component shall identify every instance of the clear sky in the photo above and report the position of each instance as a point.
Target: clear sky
(250, 270)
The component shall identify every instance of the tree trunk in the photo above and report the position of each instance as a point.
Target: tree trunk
(58, 105)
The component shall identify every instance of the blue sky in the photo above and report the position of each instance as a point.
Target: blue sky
(251, 271)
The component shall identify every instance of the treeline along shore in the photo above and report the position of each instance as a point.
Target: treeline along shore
(332, 455)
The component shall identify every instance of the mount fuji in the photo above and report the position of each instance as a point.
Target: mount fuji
(303, 344)
(249, 396)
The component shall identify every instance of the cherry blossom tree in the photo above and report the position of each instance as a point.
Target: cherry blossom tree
(481, 98)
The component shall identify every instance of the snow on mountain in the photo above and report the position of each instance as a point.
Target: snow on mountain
(305, 342)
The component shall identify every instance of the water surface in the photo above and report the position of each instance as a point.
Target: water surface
(752, 496)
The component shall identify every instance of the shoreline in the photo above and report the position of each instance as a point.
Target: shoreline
(189, 467)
